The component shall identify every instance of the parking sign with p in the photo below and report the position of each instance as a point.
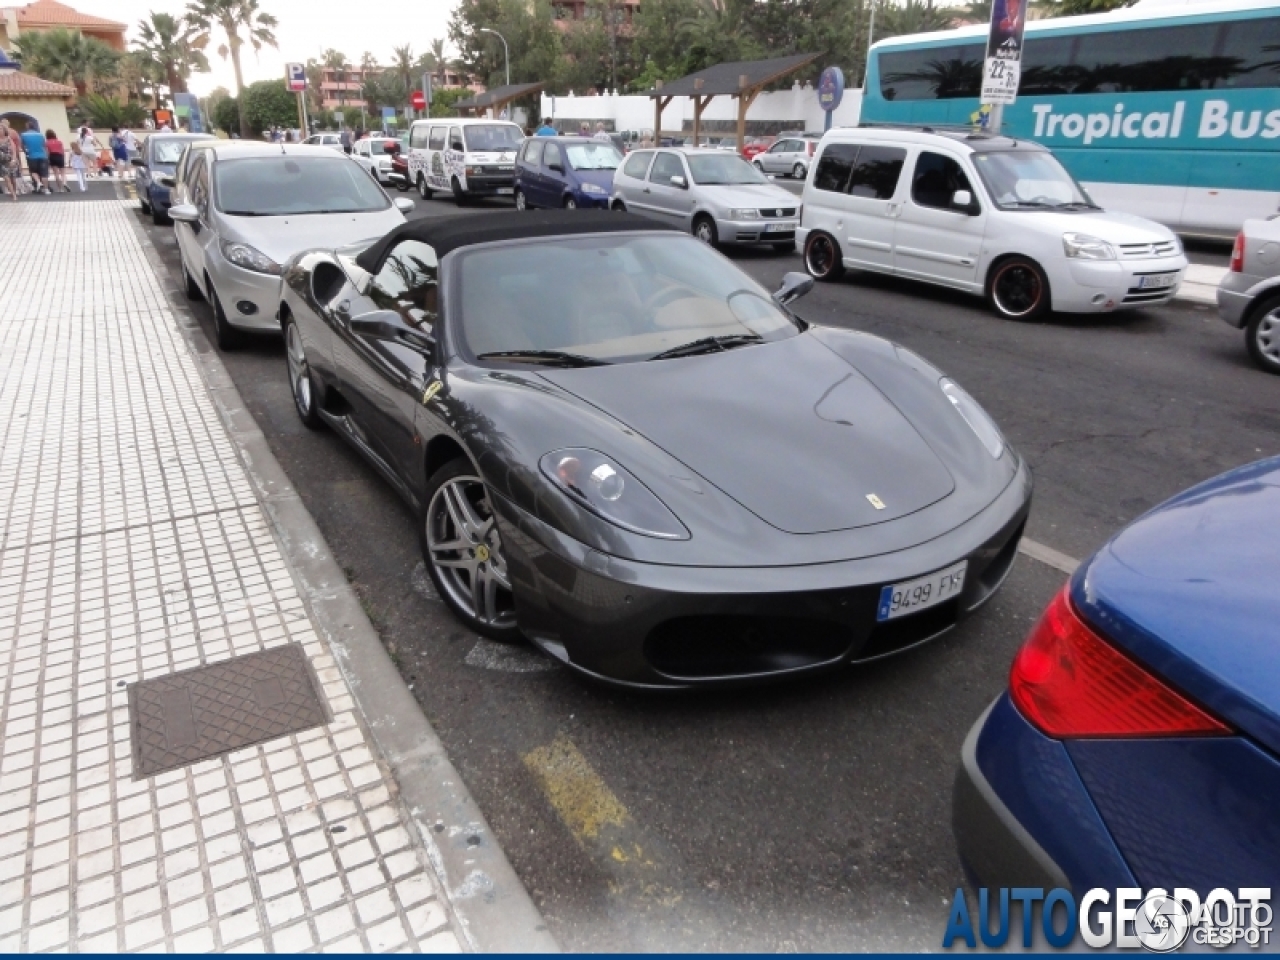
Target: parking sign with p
(295, 76)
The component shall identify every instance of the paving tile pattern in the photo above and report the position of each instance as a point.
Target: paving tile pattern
(132, 546)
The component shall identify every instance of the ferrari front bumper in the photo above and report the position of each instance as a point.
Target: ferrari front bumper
(656, 626)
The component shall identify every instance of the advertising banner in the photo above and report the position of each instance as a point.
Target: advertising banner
(1003, 66)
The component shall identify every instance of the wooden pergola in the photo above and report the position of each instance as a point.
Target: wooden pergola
(498, 98)
(744, 80)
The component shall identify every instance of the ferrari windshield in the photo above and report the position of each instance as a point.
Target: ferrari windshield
(278, 186)
(615, 298)
(1028, 179)
(710, 169)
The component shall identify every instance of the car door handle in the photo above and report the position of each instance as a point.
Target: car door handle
(646, 190)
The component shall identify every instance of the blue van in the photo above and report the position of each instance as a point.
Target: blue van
(565, 172)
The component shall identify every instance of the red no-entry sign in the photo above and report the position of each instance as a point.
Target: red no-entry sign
(418, 100)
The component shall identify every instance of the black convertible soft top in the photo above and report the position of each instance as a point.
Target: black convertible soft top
(450, 233)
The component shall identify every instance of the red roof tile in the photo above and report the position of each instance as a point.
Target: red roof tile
(51, 13)
(16, 84)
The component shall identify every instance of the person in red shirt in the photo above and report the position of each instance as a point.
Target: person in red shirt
(57, 159)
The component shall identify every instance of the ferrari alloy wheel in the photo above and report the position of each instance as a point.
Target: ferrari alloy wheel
(1018, 289)
(822, 257)
(1263, 335)
(704, 228)
(301, 385)
(521, 202)
(464, 555)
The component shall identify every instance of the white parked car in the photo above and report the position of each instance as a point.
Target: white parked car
(789, 156)
(980, 213)
(331, 140)
(715, 195)
(241, 209)
(374, 154)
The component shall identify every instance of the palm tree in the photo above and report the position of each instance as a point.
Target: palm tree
(402, 62)
(68, 56)
(170, 43)
(439, 59)
(336, 60)
(233, 17)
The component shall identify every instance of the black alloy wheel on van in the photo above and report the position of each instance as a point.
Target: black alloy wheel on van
(1018, 289)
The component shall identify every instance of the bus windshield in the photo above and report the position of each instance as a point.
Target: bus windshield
(1031, 180)
(485, 137)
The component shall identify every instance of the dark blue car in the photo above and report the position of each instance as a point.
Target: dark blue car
(159, 157)
(565, 172)
(1138, 744)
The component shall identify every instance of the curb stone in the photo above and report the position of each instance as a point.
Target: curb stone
(493, 910)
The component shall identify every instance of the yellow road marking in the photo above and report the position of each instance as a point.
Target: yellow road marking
(582, 800)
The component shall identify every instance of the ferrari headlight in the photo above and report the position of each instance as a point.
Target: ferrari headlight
(606, 489)
(1082, 246)
(974, 416)
(245, 256)
(744, 214)
(593, 190)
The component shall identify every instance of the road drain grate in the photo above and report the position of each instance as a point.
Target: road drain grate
(186, 717)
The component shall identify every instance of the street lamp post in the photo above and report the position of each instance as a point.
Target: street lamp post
(506, 53)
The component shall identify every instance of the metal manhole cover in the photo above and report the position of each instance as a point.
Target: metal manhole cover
(186, 717)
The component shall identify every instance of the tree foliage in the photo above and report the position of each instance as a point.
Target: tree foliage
(225, 114)
(241, 22)
(104, 111)
(169, 48)
(268, 103)
(70, 57)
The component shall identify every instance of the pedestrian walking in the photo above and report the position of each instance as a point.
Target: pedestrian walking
(344, 139)
(8, 162)
(584, 129)
(602, 134)
(119, 151)
(57, 159)
(547, 129)
(82, 149)
(33, 143)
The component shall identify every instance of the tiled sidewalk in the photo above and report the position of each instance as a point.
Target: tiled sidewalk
(132, 546)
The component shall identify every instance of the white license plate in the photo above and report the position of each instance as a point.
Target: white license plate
(502, 190)
(1158, 282)
(900, 599)
(504, 168)
(780, 228)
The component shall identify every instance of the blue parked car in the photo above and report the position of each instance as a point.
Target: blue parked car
(159, 157)
(1138, 744)
(565, 172)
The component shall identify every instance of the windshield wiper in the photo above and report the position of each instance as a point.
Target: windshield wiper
(247, 213)
(551, 358)
(1078, 205)
(709, 345)
(1038, 204)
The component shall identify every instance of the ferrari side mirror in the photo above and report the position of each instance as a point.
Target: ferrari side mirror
(794, 286)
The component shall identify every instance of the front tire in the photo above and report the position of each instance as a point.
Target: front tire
(423, 190)
(704, 229)
(463, 552)
(193, 291)
(1262, 335)
(570, 203)
(758, 165)
(1018, 289)
(522, 202)
(144, 203)
(459, 197)
(301, 383)
(226, 336)
(798, 171)
(822, 257)
(158, 218)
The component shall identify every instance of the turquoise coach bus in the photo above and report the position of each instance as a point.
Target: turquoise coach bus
(1167, 110)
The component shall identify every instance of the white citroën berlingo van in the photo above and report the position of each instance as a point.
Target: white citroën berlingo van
(986, 214)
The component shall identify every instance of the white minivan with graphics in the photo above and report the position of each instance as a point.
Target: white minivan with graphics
(985, 214)
(465, 157)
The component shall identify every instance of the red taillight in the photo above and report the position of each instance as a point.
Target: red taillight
(1069, 682)
(1237, 254)
(811, 146)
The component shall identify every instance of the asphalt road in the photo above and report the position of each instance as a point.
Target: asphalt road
(812, 816)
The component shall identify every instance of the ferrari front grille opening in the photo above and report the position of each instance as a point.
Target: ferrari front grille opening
(893, 636)
(703, 647)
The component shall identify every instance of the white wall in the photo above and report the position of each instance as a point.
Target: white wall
(792, 109)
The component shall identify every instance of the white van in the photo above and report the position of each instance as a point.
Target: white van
(466, 157)
(986, 214)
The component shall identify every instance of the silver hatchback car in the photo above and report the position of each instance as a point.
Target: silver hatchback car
(1249, 294)
(242, 209)
(715, 195)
